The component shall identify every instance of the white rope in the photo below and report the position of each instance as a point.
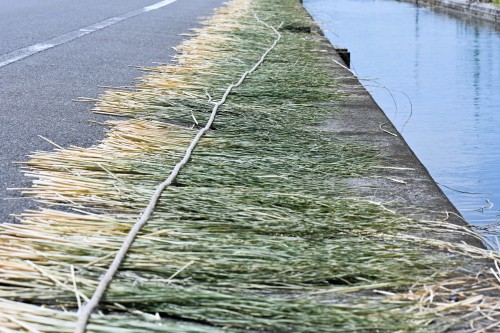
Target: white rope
(86, 311)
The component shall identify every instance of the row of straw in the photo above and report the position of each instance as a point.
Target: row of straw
(257, 233)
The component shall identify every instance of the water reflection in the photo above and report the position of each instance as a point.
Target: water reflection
(450, 69)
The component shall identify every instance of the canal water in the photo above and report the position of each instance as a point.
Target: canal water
(437, 77)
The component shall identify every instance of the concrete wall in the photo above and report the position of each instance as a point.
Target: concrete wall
(485, 11)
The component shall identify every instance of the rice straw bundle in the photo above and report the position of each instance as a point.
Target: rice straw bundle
(256, 233)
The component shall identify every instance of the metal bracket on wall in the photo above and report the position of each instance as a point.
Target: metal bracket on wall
(345, 55)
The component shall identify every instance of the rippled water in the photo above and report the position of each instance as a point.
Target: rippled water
(450, 70)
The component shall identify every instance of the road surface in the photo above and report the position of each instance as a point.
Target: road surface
(54, 51)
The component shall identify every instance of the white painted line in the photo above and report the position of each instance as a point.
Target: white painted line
(158, 5)
(19, 54)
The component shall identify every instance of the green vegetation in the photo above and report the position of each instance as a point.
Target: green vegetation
(257, 233)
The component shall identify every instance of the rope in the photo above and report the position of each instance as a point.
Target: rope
(86, 311)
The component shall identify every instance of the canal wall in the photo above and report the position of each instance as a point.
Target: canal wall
(484, 11)
(401, 182)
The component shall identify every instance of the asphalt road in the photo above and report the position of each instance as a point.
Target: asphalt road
(84, 45)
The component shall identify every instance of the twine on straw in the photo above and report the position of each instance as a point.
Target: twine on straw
(88, 308)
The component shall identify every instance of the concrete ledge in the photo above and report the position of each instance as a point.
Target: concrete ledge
(401, 182)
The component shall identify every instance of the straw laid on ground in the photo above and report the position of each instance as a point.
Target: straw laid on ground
(256, 232)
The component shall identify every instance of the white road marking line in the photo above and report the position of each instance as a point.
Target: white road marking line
(158, 5)
(19, 54)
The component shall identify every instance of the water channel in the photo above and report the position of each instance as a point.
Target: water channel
(449, 68)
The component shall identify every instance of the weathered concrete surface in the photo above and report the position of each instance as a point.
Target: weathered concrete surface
(401, 182)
